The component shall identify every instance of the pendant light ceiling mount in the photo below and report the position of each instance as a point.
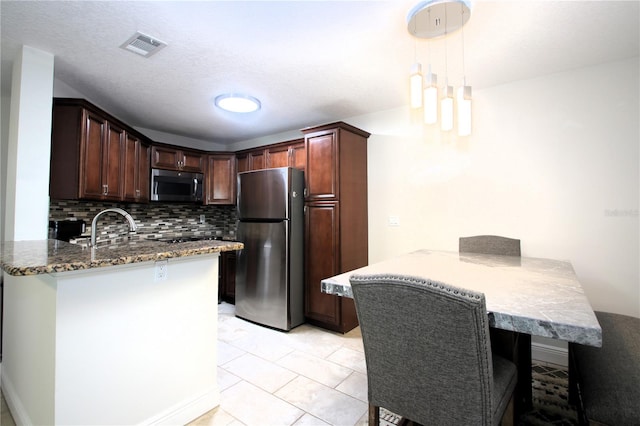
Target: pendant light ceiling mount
(437, 18)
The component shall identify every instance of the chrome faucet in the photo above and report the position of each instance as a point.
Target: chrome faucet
(94, 224)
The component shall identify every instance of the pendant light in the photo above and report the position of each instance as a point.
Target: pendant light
(434, 19)
(416, 85)
(446, 106)
(415, 80)
(431, 98)
(464, 109)
(464, 97)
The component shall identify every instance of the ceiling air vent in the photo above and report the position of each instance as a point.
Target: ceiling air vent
(143, 44)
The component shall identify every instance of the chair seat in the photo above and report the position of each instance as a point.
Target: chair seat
(608, 378)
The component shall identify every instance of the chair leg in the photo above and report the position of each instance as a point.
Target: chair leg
(374, 415)
(508, 417)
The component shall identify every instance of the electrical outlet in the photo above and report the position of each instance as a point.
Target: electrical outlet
(394, 221)
(202, 218)
(162, 270)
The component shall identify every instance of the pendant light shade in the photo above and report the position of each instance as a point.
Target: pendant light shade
(464, 110)
(446, 107)
(431, 98)
(416, 85)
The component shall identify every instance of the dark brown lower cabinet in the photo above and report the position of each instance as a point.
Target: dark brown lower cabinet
(322, 260)
(227, 277)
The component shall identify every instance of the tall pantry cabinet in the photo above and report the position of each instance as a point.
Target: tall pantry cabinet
(335, 218)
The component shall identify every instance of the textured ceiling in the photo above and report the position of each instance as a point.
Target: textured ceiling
(309, 62)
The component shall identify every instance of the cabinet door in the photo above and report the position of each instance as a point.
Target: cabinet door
(192, 162)
(144, 172)
(136, 170)
(91, 152)
(242, 163)
(321, 260)
(322, 165)
(165, 158)
(220, 180)
(228, 276)
(298, 156)
(278, 157)
(130, 168)
(257, 160)
(112, 163)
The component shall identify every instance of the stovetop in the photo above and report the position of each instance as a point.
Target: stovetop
(188, 239)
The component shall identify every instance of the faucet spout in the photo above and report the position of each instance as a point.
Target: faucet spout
(94, 223)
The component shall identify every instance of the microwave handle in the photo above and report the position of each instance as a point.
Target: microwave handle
(195, 187)
(155, 188)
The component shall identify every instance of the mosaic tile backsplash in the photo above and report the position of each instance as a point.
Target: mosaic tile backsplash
(153, 220)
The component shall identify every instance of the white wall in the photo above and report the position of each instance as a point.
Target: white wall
(29, 142)
(5, 107)
(552, 161)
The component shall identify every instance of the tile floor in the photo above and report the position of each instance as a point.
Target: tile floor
(307, 376)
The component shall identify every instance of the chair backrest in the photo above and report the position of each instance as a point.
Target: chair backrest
(427, 349)
(489, 244)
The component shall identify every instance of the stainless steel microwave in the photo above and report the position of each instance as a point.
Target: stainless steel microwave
(171, 185)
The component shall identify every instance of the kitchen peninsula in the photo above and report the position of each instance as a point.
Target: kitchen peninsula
(117, 334)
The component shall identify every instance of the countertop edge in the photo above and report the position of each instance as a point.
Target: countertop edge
(88, 259)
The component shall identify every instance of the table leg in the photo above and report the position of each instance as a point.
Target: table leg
(524, 386)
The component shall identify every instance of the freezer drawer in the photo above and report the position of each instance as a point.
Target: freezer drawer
(268, 194)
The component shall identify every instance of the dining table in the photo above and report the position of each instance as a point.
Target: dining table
(525, 296)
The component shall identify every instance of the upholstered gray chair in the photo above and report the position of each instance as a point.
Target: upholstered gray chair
(489, 244)
(428, 355)
(509, 344)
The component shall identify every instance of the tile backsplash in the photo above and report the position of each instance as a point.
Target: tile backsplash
(153, 220)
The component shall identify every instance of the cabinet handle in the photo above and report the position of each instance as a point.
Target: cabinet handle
(105, 189)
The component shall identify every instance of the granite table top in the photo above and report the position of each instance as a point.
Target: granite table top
(540, 297)
(52, 256)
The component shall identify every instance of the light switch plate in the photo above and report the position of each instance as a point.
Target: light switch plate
(394, 221)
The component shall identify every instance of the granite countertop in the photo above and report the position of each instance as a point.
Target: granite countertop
(51, 256)
(540, 297)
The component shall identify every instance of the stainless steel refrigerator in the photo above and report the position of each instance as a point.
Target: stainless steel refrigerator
(270, 274)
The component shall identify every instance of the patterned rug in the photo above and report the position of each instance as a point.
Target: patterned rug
(550, 388)
(550, 398)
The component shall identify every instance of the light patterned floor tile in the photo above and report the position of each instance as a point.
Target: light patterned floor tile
(349, 358)
(267, 345)
(327, 404)
(355, 385)
(264, 374)
(315, 368)
(226, 379)
(314, 341)
(217, 417)
(256, 407)
(309, 420)
(227, 352)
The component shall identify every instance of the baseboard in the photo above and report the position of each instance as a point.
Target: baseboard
(549, 354)
(188, 410)
(14, 403)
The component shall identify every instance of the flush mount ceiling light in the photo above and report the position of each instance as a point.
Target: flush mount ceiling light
(435, 19)
(237, 103)
(143, 44)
